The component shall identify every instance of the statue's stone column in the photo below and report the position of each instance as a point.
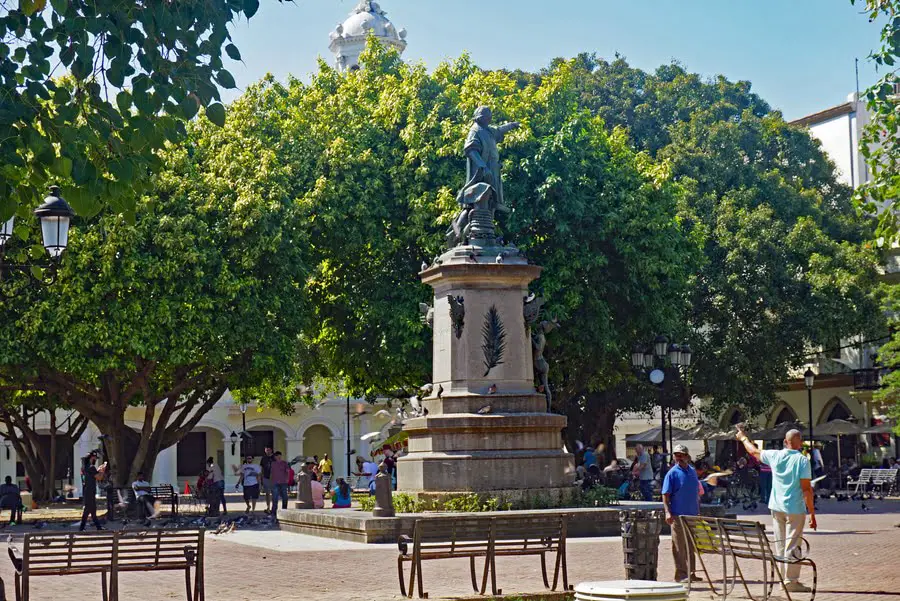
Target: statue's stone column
(487, 428)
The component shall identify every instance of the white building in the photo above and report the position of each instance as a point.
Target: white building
(348, 39)
(839, 129)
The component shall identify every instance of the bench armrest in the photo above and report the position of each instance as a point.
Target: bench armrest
(801, 553)
(16, 560)
(403, 543)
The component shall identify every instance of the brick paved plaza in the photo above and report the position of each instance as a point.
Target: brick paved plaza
(856, 552)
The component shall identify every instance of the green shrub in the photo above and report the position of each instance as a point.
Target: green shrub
(406, 503)
(474, 503)
(599, 496)
(367, 503)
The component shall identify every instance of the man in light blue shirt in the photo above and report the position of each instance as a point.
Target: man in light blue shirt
(791, 498)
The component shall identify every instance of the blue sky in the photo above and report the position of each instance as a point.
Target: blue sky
(798, 53)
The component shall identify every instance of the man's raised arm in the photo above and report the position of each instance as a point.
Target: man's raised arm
(748, 444)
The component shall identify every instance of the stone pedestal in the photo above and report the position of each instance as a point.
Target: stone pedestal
(486, 427)
(384, 501)
(304, 491)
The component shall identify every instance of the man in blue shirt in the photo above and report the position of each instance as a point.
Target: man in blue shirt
(681, 496)
(791, 498)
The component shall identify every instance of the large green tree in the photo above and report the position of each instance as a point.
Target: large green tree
(881, 142)
(90, 91)
(786, 264)
(376, 156)
(204, 293)
(881, 146)
(725, 226)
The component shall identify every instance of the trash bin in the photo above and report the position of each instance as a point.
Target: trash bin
(640, 542)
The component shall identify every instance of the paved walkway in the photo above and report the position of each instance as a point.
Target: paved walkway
(856, 551)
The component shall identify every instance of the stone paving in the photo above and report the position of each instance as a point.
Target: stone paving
(856, 552)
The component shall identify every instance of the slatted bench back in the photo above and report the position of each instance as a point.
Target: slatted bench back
(164, 491)
(883, 476)
(449, 536)
(523, 534)
(705, 533)
(82, 553)
(745, 539)
(158, 550)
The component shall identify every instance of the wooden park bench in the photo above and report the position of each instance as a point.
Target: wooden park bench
(738, 539)
(472, 538)
(165, 494)
(110, 554)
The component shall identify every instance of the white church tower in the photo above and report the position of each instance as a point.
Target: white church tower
(348, 40)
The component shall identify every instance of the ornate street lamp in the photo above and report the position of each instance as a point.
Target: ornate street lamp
(654, 359)
(809, 379)
(234, 438)
(55, 216)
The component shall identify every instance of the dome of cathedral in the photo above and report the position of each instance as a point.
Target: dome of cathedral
(368, 18)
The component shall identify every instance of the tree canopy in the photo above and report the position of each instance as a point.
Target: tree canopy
(656, 202)
(786, 260)
(92, 90)
(881, 142)
(204, 292)
(881, 146)
(284, 247)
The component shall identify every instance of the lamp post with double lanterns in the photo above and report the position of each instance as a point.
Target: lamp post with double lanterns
(55, 216)
(656, 359)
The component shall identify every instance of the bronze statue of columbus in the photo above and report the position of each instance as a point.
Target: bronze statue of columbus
(482, 167)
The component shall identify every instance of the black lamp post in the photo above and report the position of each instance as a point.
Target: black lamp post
(810, 379)
(349, 453)
(243, 407)
(234, 438)
(55, 216)
(653, 359)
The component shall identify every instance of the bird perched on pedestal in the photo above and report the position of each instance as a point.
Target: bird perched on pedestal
(424, 266)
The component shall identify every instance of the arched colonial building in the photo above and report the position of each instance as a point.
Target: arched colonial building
(305, 433)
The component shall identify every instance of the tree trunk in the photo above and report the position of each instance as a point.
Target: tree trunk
(130, 452)
(591, 420)
(38, 466)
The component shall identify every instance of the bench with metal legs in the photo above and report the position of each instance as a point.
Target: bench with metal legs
(737, 539)
(484, 537)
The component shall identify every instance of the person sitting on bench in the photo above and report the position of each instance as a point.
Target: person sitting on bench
(11, 498)
(142, 493)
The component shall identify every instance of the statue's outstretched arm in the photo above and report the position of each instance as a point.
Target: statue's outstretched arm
(508, 127)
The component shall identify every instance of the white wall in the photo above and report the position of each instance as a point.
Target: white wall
(840, 138)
